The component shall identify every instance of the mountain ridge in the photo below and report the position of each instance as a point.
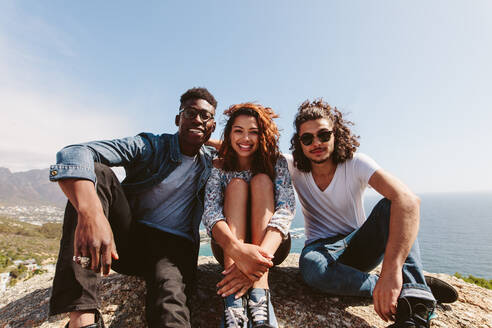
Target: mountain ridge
(29, 188)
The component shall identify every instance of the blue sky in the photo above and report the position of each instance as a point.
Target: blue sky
(415, 76)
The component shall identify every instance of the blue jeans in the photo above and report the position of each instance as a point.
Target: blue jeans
(339, 265)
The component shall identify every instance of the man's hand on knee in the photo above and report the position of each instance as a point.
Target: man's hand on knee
(94, 239)
(385, 295)
(93, 235)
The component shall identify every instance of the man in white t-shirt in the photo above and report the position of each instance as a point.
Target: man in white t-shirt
(342, 246)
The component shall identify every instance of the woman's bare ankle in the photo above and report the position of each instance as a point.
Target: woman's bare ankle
(81, 318)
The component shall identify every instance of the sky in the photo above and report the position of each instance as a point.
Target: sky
(414, 76)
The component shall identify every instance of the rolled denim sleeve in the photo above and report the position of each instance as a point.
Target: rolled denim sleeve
(214, 201)
(285, 201)
(77, 161)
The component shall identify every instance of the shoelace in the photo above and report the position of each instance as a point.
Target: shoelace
(418, 319)
(235, 317)
(259, 310)
(415, 320)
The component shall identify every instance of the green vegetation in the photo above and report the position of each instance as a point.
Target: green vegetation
(51, 230)
(475, 280)
(23, 241)
(20, 272)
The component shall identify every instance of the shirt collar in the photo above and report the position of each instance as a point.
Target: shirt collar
(175, 151)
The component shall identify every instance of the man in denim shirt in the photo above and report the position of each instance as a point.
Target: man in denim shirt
(147, 225)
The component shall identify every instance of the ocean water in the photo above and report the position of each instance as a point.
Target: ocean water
(455, 232)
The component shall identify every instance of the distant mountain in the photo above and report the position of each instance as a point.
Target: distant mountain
(29, 188)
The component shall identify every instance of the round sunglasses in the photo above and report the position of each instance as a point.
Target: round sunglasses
(308, 138)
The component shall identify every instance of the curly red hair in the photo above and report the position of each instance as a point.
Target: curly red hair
(266, 156)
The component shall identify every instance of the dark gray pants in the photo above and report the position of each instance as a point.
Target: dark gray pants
(165, 261)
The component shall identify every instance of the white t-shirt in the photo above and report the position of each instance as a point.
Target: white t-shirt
(339, 209)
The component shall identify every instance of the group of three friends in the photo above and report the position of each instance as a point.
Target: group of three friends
(241, 188)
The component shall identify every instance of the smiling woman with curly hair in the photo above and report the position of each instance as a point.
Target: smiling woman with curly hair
(266, 156)
(249, 205)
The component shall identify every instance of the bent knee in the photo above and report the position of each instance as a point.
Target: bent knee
(261, 181)
(384, 205)
(383, 210)
(104, 172)
(100, 167)
(237, 183)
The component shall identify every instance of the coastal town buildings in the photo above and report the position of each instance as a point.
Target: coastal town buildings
(33, 214)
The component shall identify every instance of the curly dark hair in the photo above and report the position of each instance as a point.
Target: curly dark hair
(266, 156)
(198, 93)
(345, 142)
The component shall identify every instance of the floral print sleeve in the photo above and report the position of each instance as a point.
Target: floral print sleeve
(285, 201)
(284, 197)
(214, 201)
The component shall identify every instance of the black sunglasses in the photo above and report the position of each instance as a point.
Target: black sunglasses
(308, 138)
(190, 113)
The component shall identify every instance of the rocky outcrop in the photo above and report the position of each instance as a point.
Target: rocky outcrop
(297, 305)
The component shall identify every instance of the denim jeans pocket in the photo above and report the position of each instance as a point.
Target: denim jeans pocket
(336, 249)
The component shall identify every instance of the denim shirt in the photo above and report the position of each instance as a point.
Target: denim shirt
(147, 158)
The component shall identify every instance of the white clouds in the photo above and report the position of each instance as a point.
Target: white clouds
(36, 126)
(419, 93)
(41, 113)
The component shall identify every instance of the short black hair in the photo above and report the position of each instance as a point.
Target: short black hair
(198, 93)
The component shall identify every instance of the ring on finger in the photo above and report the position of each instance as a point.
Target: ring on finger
(83, 261)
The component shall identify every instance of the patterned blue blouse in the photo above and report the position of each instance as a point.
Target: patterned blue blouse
(285, 202)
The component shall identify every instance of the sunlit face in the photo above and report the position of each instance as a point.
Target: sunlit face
(244, 135)
(318, 151)
(195, 131)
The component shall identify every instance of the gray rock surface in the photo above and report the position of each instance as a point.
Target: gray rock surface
(296, 305)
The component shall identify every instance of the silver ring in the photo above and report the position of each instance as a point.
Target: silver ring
(84, 261)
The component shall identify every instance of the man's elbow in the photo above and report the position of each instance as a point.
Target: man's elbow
(75, 155)
(409, 201)
(414, 200)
